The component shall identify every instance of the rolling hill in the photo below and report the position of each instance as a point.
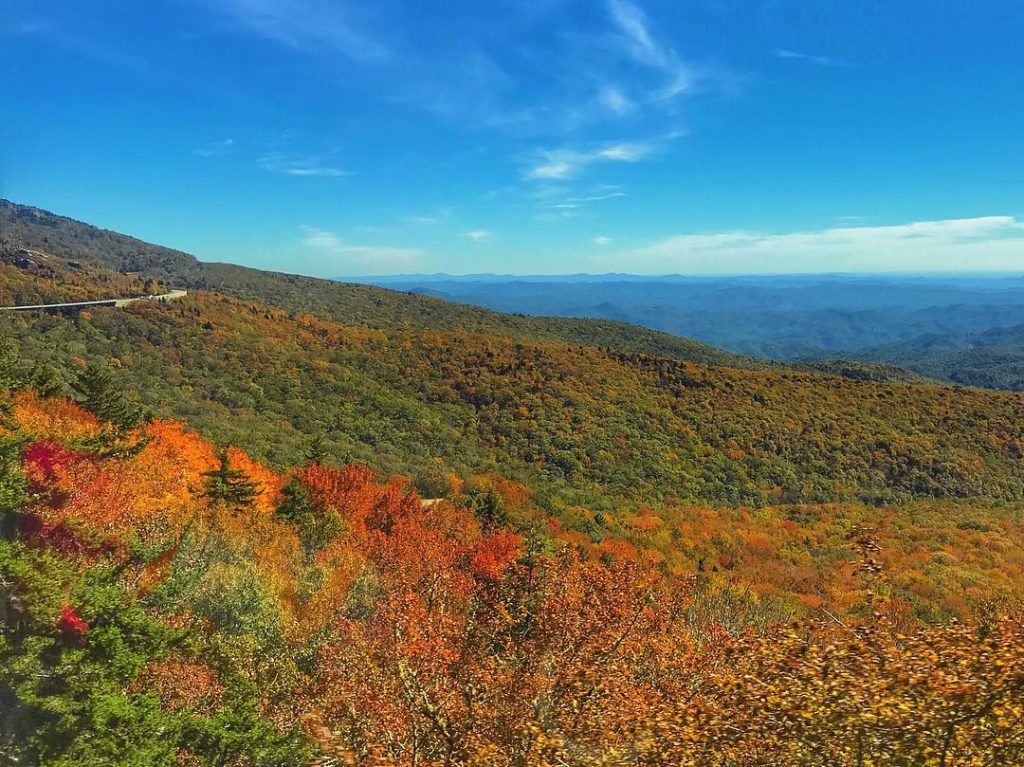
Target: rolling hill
(586, 412)
(112, 256)
(353, 524)
(789, 317)
(993, 358)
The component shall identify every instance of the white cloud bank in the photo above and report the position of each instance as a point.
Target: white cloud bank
(989, 243)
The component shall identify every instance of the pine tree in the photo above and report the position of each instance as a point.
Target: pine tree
(295, 501)
(10, 373)
(317, 452)
(101, 396)
(230, 486)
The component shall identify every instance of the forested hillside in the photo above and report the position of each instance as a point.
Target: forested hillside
(583, 425)
(214, 547)
(108, 252)
(168, 603)
(993, 359)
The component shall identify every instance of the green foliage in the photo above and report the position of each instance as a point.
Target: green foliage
(318, 451)
(993, 359)
(433, 482)
(12, 484)
(233, 598)
(230, 486)
(316, 527)
(488, 506)
(66, 703)
(102, 397)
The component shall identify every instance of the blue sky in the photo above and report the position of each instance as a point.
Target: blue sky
(334, 137)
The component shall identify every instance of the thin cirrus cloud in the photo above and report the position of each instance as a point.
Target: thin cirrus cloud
(216, 148)
(572, 203)
(987, 243)
(478, 235)
(301, 167)
(614, 100)
(493, 76)
(646, 49)
(306, 24)
(561, 164)
(332, 255)
(821, 61)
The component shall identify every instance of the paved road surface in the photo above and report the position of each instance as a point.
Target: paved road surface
(118, 302)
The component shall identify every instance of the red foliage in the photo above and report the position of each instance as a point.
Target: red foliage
(493, 555)
(354, 494)
(57, 536)
(71, 626)
(42, 459)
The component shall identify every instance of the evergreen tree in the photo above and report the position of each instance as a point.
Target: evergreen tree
(11, 376)
(230, 486)
(102, 397)
(295, 502)
(317, 451)
(12, 485)
(489, 507)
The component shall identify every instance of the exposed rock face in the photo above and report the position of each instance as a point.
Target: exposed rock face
(23, 258)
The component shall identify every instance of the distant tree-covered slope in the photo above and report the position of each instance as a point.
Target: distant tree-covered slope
(22, 226)
(993, 359)
(581, 424)
(788, 317)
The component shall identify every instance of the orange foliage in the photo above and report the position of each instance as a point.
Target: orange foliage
(52, 418)
(181, 683)
(494, 555)
(408, 636)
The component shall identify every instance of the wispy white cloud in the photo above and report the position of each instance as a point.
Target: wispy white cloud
(614, 100)
(571, 203)
(335, 256)
(306, 24)
(216, 148)
(647, 49)
(602, 241)
(438, 216)
(478, 235)
(302, 167)
(821, 61)
(493, 75)
(983, 243)
(560, 164)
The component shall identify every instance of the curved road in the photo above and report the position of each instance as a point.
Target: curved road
(118, 302)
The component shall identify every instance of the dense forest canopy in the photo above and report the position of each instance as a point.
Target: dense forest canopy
(168, 603)
(375, 528)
